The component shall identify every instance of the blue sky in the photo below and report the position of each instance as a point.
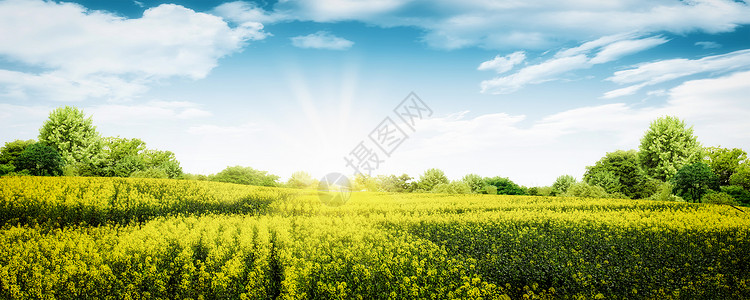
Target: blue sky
(528, 91)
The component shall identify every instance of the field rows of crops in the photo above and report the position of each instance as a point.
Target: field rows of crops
(79, 238)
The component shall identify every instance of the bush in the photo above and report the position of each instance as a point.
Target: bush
(738, 193)
(455, 187)
(505, 186)
(562, 184)
(664, 193)
(5, 169)
(718, 198)
(490, 189)
(245, 175)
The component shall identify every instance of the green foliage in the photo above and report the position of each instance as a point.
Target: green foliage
(719, 198)
(604, 179)
(366, 183)
(738, 193)
(475, 182)
(664, 193)
(505, 186)
(245, 175)
(301, 180)
(562, 183)
(489, 189)
(164, 160)
(431, 178)
(74, 136)
(122, 157)
(40, 160)
(540, 191)
(741, 177)
(454, 187)
(618, 171)
(10, 152)
(396, 184)
(667, 146)
(6, 169)
(724, 162)
(583, 190)
(694, 180)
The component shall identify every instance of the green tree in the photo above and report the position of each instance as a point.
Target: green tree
(300, 180)
(667, 146)
(431, 178)
(694, 180)
(562, 183)
(719, 198)
(741, 177)
(583, 190)
(454, 187)
(246, 175)
(540, 191)
(122, 157)
(505, 186)
(74, 136)
(10, 152)
(738, 193)
(618, 172)
(40, 160)
(724, 162)
(164, 160)
(664, 192)
(366, 183)
(396, 184)
(475, 182)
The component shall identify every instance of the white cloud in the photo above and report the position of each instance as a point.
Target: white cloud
(620, 49)
(541, 24)
(97, 54)
(536, 152)
(708, 45)
(502, 64)
(243, 12)
(321, 40)
(604, 50)
(652, 73)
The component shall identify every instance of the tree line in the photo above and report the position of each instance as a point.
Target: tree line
(669, 165)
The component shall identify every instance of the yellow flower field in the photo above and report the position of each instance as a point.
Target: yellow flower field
(105, 238)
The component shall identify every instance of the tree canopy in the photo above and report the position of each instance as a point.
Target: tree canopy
(667, 145)
(724, 162)
(40, 160)
(694, 180)
(74, 137)
(245, 175)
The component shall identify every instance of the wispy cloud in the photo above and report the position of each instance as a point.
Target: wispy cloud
(502, 64)
(321, 40)
(708, 45)
(599, 51)
(451, 24)
(652, 73)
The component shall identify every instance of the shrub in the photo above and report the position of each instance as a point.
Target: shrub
(718, 198)
(738, 193)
